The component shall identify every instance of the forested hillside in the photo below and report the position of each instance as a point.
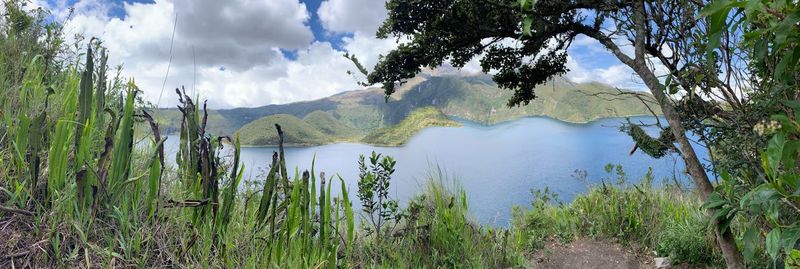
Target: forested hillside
(351, 115)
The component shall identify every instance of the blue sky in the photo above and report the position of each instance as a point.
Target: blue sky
(252, 53)
(320, 34)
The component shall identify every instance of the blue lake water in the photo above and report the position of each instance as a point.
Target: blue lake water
(497, 165)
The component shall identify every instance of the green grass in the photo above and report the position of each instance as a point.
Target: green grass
(417, 120)
(437, 231)
(665, 220)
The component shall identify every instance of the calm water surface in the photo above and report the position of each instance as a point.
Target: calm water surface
(496, 165)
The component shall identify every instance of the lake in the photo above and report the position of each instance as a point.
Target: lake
(497, 165)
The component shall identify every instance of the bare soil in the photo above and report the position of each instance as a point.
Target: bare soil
(584, 253)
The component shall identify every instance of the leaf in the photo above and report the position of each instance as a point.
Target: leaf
(759, 195)
(760, 49)
(775, 154)
(526, 25)
(714, 7)
(791, 103)
(786, 61)
(750, 242)
(790, 237)
(668, 85)
(793, 259)
(786, 123)
(717, 13)
(714, 201)
(773, 243)
(719, 218)
(348, 211)
(785, 28)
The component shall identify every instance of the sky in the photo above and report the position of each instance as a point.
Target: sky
(247, 53)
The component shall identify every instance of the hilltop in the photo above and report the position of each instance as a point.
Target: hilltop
(359, 115)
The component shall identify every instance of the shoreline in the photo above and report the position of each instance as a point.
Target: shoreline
(357, 141)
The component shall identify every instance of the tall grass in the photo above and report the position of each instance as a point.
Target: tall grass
(95, 199)
(436, 230)
(663, 220)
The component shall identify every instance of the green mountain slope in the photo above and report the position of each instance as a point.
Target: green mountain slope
(419, 119)
(348, 116)
(296, 132)
(478, 99)
(329, 125)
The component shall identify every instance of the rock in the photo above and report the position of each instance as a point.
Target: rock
(662, 263)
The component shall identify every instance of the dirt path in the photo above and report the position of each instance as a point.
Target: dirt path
(586, 253)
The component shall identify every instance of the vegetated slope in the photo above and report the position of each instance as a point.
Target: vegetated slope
(296, 132)
(477, 98)
(351, 115)
(227, 121)
(419, 119)
(327, 123)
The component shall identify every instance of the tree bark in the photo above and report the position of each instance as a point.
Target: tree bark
(733, 258)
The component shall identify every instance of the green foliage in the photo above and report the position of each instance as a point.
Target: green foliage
(775, 201)
(686, 239)
(455, 31)
(374, 179)
(759, 186)
(772, 41)
(89, 194)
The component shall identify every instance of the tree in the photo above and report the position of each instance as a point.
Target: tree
(540, 32)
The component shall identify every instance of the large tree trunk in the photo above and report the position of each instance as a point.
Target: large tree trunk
(733, 258)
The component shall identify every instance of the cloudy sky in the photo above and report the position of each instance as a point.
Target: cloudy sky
(244, 53)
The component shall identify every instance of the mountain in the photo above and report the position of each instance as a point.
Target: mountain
(354, 115)
(296, 132)
(417, 120)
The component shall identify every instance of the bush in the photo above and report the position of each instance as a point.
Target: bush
(687, 240)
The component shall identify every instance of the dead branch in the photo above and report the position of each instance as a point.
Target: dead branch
(188, 203)
(16, 210)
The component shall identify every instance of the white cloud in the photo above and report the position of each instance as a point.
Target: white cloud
(613, 72)
(616, 74)
(368, 48)
(236, 47)
(352, 15)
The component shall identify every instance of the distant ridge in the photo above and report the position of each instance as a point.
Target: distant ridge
(354, 115)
